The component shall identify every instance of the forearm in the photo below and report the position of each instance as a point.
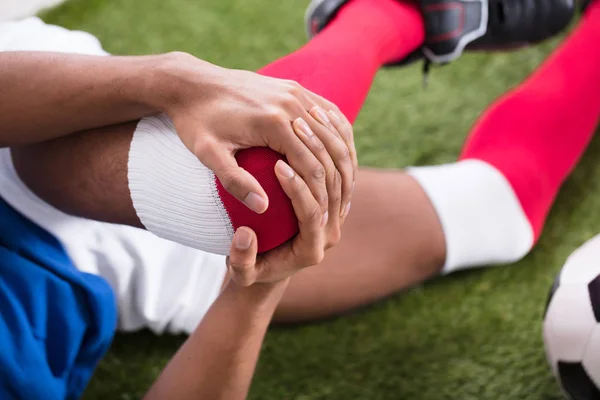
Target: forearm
(218, 359)
(48, 95)
(59, 125)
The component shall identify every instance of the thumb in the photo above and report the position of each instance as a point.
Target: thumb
(237, 181)
(242, 256)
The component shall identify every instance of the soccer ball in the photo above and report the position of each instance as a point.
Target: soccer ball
(572, 324)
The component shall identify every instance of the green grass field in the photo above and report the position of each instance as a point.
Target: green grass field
(475, 335)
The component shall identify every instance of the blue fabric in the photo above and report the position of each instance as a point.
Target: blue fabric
(56, 322)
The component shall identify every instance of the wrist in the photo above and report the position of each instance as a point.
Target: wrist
(137, 80)
(176, 78)
(262, 297)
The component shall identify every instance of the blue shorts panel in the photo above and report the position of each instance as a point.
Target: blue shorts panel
(56, 322)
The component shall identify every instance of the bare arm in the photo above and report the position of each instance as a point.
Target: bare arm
(218, 359)
(216, 111)
(47, 95)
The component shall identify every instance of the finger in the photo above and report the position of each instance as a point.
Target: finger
(344, 127)
(304, 204)
(285, 141)
(307, 248)
(236, 180)
(310, 169)
(333, 178)
(242, 257)
(339, 152)
(305, 97)
(313, 143)
(345, 132)
(338, 118)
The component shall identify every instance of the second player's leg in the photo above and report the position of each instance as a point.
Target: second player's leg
(392, 240)
(488, 208)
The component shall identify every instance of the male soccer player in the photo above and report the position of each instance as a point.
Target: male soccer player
(400, 232)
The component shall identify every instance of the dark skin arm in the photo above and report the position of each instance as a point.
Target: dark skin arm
(218, 359)
(73, 93)
(215, 110)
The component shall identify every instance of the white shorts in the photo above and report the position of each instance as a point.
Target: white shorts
(159, 284)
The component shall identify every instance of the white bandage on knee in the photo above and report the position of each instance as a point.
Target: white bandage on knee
(173, 193)
(481, 216)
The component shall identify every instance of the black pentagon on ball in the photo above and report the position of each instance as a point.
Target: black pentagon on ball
(576, 382)
(551, 293)
(594, 289)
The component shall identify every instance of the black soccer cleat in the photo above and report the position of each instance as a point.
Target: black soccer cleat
(455, 25)
(585, 4)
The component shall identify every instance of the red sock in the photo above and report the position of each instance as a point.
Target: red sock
(536, 134)
(493, 203)
(338, 64)
(341, 61)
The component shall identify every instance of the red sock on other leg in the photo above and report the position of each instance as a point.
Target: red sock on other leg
(537, 133)
(493, 203)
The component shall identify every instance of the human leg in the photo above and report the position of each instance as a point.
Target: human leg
(488, 208)
(392, 240)
(86, 173)
(519, 153)
(421, 257)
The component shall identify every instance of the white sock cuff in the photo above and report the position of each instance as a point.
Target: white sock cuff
(481, 216)
(173, 193)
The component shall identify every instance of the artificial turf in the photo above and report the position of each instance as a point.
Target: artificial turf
(474, 335)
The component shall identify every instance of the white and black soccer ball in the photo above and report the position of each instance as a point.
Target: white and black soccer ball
(572, 324)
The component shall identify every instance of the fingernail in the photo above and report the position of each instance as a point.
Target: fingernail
(255, 202)
(285, 169)
(334, 116)
(324, 119)
(305, 128)
(325, 218)
(346, 210)
(243, 239)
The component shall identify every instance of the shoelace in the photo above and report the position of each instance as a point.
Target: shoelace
(426, 69)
